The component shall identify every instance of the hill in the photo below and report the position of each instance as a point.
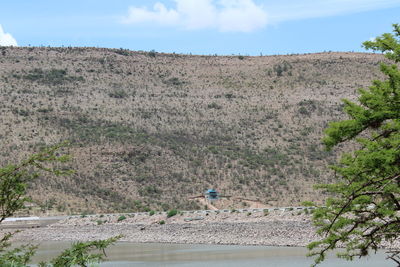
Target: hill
(150, 130)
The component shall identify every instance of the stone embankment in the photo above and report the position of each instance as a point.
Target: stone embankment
(256, 227)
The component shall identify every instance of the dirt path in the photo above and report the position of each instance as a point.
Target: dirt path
(204, 202)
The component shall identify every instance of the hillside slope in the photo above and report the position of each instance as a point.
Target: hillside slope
(151, 129)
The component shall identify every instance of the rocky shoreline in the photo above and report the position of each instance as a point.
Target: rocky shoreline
(276, 228)
(258, 228)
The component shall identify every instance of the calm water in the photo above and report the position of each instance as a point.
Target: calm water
(182, 255)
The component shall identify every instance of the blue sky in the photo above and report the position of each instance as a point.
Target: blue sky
(223, 27)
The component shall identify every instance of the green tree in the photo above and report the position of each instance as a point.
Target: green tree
(363, 212)
(14, 180)
(80, 254)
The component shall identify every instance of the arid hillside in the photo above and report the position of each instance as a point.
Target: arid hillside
(150, 130)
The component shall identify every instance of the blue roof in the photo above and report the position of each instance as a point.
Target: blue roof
(211, 191)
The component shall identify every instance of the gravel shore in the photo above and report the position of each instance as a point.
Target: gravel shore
(273, 229)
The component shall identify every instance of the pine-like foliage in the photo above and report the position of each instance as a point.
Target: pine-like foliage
(13, 184)
(363, 213)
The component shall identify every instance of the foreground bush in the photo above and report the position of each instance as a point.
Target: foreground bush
(13, 185)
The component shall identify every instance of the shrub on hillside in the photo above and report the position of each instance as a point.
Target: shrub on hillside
(121, 218)
(172, 213)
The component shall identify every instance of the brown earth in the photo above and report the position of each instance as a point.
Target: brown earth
(149, 130)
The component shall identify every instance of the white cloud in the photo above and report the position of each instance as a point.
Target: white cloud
(245, 15)
(241, 15)
(6, 39)
(233, 15)
(197, 14)
(285, 10)
(160, 14)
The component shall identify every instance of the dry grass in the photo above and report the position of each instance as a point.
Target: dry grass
(150, 130)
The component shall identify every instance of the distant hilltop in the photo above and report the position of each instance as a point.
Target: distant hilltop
(148, 130)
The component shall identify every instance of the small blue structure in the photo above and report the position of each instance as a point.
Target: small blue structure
(211, 195)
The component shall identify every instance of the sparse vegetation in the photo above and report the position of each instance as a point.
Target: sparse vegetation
(121, 218)
(14, 179)
(150, 130)
(152, 53)
(172, 213)
(118, 93)
(214, 105)
(51, 77)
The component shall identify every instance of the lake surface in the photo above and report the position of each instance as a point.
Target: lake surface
(183, 255)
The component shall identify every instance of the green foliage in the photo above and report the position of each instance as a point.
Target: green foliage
(253, 159)
(214, 105)
(387, 43)
(80, 254)
(229, 96)
(281, 68)
(14, 179)
(121, 218)
(152, 212)
(152, 53)
(118, 93)
(51, 77)
(84, 130)
(13, 185)
(174, 81)
(149, 190)
(122, 52)
(15, 257)
(307, 107)
(21, 112)
(161, 222)
(265, 212)
(172, 213)
(364, 208)
(45, 110)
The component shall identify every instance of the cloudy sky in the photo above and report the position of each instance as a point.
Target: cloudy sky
(223, 27)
